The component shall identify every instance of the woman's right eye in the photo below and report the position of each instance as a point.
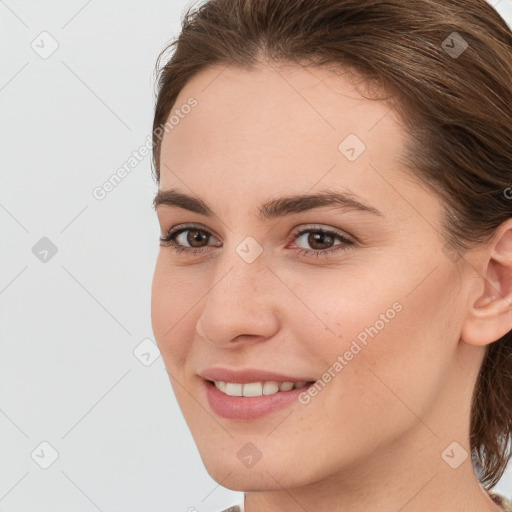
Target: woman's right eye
(177, 238)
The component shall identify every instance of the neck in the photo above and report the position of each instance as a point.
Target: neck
(430, 493)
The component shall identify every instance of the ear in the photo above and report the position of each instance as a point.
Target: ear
(490, 312)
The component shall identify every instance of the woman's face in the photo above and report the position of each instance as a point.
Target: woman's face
(374, 317)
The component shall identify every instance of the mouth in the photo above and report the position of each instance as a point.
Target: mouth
(259, 388)
(243, 397)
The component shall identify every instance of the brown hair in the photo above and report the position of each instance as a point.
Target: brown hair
(457, 109)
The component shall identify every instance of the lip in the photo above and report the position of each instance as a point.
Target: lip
(250, 375)
(242, 408)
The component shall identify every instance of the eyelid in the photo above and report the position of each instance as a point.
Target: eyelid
(186, 226)
(322, 227)
(296, 231)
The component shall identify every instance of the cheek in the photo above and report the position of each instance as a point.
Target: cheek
(396, 345)
(172, 303)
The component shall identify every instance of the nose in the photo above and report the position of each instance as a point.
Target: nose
(242, 303)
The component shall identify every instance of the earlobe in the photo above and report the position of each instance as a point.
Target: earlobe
(490, 315)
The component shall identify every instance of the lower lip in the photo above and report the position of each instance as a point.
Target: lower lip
(249, 407)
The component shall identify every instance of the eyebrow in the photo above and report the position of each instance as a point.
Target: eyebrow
(275, 207)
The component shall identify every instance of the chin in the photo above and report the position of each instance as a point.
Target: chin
(266, 478)
(268, 473)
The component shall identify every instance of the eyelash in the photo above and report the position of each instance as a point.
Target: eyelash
(169, 241)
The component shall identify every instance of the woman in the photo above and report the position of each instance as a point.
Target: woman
(332, 297)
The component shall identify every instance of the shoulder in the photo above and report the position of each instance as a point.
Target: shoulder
(503, 502)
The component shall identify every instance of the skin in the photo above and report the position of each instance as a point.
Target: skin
(372, 438)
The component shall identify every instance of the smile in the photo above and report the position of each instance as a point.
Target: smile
(252, 389)
(247, 401)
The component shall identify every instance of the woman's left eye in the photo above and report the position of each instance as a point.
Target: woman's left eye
(315, 236)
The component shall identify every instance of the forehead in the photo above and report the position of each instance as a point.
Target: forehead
(278, 124)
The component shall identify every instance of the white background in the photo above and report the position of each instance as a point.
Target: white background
(69, 326)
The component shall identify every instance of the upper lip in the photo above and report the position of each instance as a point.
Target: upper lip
(248, 375)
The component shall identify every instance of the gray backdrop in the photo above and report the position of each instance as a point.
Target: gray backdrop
(87, 417)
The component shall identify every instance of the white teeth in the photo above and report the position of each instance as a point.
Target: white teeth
(286, 386)
(269, 387)
(233, 389)
(220, 385)
(253, 389)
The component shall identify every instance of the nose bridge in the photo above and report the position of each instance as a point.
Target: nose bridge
(239, 301)
(242, 267)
